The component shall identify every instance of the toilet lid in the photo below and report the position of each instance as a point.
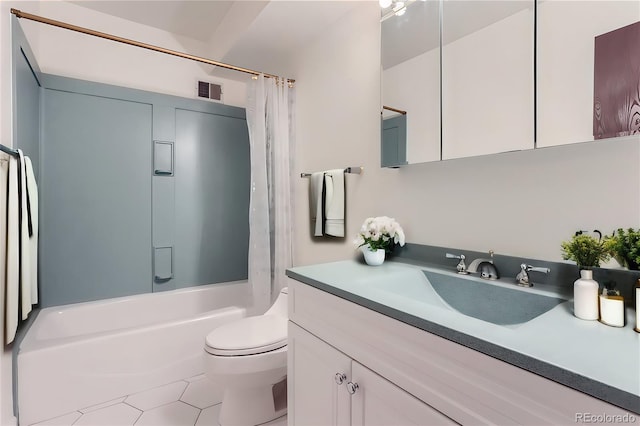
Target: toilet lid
(248, 336)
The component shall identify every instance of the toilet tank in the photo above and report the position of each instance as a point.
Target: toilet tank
(280, 305)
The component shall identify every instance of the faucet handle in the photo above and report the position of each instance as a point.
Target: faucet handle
(522, 278)
(538, 269)
(461, 266)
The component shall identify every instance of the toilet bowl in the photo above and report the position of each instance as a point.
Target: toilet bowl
(248, 360)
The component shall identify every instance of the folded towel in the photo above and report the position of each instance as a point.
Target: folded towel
(25, 246)
(316, 189)
(334, 202)
(9, 212)
(32, 210)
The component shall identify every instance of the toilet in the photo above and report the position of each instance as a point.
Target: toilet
(248, 359)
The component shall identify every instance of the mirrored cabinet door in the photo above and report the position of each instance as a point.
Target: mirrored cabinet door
(487, 77)
(411, 84)
(588, 70)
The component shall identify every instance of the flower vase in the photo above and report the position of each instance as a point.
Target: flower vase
(373, 257)
(585, 296)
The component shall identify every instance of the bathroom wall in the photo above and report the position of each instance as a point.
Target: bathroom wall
(76, 55)
(520, 203)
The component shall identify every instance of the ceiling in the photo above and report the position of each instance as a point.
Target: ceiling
(252, 34)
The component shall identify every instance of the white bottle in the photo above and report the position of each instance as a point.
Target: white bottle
(585, 296)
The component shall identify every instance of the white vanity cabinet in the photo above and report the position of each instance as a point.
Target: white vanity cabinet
(317, 376)
(329, 389)
(405, 375)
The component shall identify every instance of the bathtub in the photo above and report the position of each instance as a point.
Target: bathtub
(79, 355)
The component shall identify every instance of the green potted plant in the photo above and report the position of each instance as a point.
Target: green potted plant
(587, 252)
(624, 246)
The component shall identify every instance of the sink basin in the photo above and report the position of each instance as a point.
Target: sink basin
(488, 302)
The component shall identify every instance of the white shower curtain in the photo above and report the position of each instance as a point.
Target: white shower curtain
(270, 117)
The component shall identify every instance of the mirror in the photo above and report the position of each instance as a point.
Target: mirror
(487, 85)
(588, 78)
(487, 77)
(411, 84)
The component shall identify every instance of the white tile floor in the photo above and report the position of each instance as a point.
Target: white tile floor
(189, 402)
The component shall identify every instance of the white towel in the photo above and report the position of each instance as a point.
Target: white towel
(32, 192)
(9, 208)
(316, 182)
(334, 202)
(25, 246)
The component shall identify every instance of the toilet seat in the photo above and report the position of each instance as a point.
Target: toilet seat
(249, 336)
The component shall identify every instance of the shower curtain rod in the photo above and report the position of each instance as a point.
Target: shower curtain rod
(388, 108)
(31, 17)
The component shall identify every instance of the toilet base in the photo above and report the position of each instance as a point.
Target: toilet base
(250, 407)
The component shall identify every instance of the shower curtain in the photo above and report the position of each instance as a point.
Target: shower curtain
(270, 117)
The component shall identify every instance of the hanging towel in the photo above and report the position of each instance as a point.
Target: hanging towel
(316, 203)
(32, 211)
(334, 202)
(9, 214)
(25, 250)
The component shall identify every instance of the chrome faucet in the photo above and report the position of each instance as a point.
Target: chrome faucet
(522, 278)
(461, 267)
(485, 267)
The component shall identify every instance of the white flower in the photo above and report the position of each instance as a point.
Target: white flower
(399, 237)
(380, 232)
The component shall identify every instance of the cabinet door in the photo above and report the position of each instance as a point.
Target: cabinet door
(378, 402)
(315, 397)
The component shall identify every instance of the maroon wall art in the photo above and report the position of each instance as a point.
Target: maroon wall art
(616, 88)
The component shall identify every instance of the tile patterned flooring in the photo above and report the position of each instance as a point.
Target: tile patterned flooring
(189, 402)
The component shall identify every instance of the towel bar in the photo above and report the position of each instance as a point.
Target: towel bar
(353, 170)
(8, 150)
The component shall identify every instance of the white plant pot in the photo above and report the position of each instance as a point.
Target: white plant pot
(373, 257)
(585, 296)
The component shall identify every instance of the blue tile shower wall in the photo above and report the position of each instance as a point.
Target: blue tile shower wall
(26, 102)
(109, 224)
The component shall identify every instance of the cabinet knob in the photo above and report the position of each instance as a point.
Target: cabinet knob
(352, 387)
(340, 378)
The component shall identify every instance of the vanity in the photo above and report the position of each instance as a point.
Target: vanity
(390, 345)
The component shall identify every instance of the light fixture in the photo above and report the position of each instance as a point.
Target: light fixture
(398, 7)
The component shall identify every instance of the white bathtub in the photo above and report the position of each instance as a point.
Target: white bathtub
(75, 356)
